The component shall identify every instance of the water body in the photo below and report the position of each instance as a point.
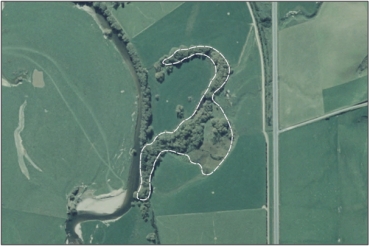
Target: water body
(134, 175)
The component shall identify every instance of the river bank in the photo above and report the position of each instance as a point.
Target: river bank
(91, 208)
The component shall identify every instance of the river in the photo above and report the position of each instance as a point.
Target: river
(134, 172)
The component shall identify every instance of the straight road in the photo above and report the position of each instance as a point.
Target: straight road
(275, 124)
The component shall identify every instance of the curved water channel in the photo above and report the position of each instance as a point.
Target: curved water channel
(134, 175)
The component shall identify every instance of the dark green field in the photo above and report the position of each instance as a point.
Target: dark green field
(69, 133)
(323, 181)
(225, 227)
(240, 183)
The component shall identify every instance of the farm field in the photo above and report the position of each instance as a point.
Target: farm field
(306, 7)
(20, 228)
(294, 13)
(334, 48)
(68, 133)
(246, 79)
(189, 81)
(210, 228)
(240, 183)
(187, 24)
(137, 16)
(130, 229)
(179, 187)
(323, 181)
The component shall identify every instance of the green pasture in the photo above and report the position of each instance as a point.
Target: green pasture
(323, 181)
(349, 93)
(318, 55)
(306, 7)
(135, 17)
(191, 79)
(22, 227)
(76, 125)
(197, 23)
(129, 229)
(175, 173)
(224, 227)
(303, 8)
(239, 183)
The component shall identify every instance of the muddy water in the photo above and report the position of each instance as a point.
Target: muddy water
(134, 175)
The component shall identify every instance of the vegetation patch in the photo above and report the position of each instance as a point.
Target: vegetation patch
(243, 227)
(68, 133)
(137, 16)
(243, 172)
(323, 181)
(330, 57)
(294, 13)
(190, 134)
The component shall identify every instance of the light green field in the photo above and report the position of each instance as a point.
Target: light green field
(190, 80)
(197, 23)
(285, 7)
(345, 94)
(76, 125)
(319, 54)
(239, 183)
(223, 227)
(323, 181)
(20, 227)
(304, 9)
(130, 229)
(137, 16)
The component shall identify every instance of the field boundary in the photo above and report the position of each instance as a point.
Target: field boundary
(196, 109)
(357, 106)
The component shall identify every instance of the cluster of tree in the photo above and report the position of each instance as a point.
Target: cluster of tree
(160, 68)
(188, 137)
(151, 237)
(181, 53)
(180, 111)
(116, 5)
(220, 129)
(73, 199)
(363, 65)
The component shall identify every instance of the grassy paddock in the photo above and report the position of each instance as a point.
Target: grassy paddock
(319, 54)
(224, 227)
(323, 181)
(135, 17)
(77, 123)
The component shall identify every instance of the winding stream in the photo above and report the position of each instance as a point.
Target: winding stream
(134, 175)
